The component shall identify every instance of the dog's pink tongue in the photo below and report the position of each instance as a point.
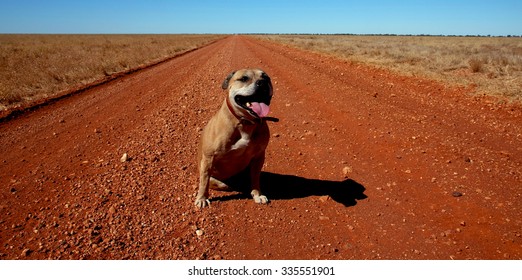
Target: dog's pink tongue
(261, 109)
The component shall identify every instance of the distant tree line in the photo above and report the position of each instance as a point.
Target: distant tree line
(412, 35)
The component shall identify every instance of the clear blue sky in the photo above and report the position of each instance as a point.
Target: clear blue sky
(465, 17)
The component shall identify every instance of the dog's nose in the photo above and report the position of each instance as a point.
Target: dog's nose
(262, 82)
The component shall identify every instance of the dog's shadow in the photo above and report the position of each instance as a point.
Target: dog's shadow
(287, 187)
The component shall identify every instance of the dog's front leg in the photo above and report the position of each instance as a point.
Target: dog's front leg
(204, 181)
(255, 177)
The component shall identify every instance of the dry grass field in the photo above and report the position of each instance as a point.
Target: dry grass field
(492, 65)
(38, 66)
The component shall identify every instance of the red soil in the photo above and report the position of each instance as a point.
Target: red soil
(364, 164)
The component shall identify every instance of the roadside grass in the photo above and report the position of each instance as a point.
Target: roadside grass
(39, 66)
(492, 65)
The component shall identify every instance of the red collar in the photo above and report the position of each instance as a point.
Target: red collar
(240, 118)
(243, 119)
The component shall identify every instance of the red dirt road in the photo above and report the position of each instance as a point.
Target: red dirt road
(364, 164)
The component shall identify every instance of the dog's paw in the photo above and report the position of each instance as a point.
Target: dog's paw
(202, 202)
(260, 199)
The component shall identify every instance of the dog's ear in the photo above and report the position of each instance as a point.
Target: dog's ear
(227, 80)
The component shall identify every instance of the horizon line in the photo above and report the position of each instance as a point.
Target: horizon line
(274, 33)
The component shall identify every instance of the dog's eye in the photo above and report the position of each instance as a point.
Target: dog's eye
(243, 79)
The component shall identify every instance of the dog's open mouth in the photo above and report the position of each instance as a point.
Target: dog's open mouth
(257, 108)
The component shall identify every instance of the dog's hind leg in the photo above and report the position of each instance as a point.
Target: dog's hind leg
(217, 185)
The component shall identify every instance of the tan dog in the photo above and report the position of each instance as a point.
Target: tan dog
(235, 139)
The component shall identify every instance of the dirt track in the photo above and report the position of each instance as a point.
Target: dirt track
(364, 164)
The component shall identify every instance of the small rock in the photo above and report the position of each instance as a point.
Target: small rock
(199, 232)
(124, 157)
(347, 170)
(324, 198)
(26, 252)
(445, 233)
(456, 194)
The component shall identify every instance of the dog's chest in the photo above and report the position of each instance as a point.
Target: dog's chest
(242, 143)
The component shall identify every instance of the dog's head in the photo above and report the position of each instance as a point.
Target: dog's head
(249, 92)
